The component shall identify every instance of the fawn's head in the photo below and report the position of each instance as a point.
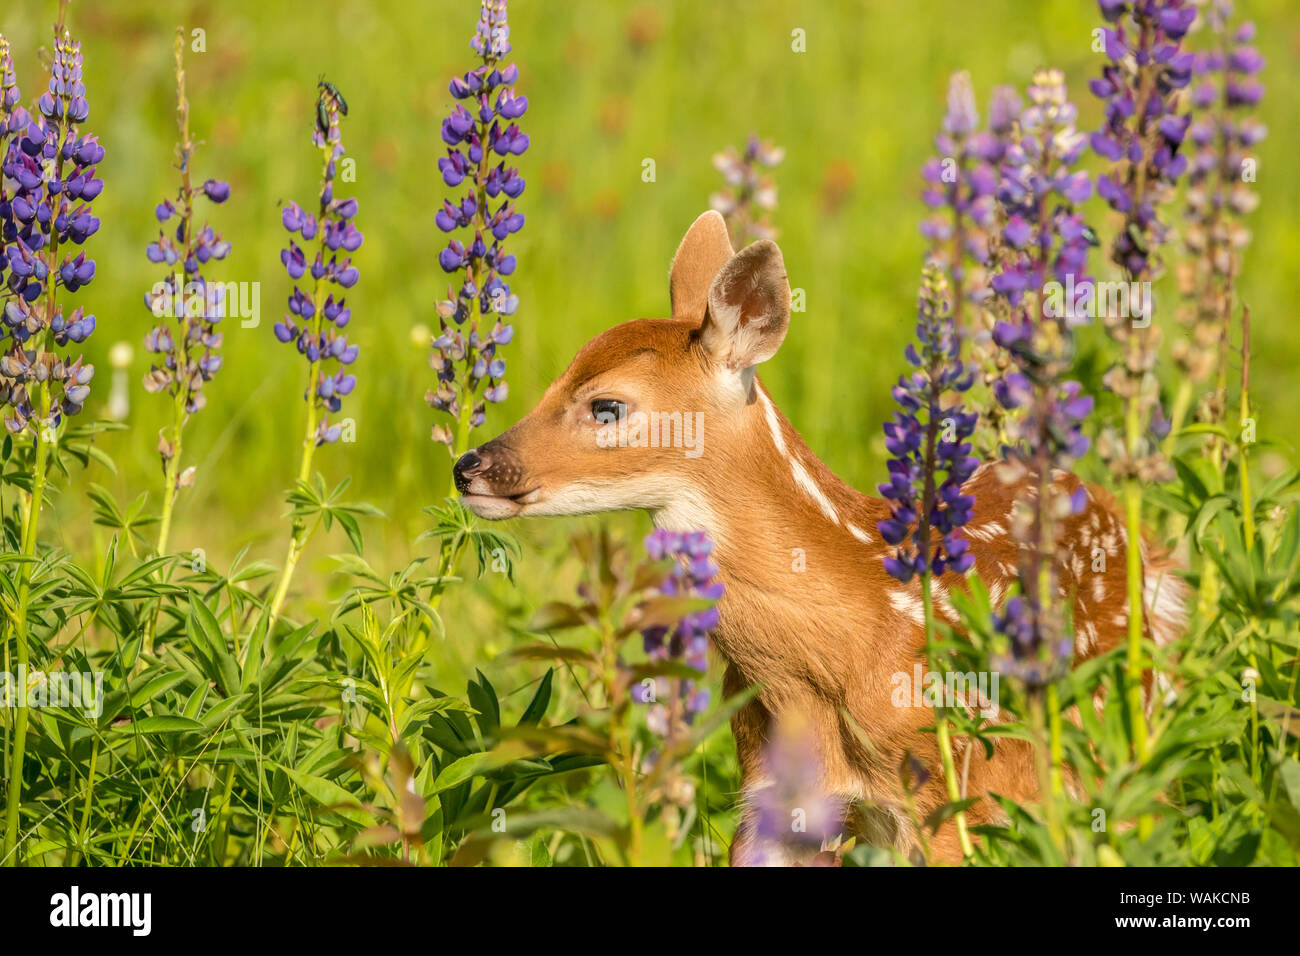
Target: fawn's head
(645, 414)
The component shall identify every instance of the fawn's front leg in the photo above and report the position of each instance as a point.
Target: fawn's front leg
(752, 727)
(749, 726)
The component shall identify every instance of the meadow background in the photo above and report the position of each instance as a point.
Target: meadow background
(610, 84)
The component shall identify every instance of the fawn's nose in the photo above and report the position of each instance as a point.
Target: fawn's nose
(466, 467)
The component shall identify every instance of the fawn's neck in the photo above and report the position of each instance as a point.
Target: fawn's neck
(796, 547)
(766, 487)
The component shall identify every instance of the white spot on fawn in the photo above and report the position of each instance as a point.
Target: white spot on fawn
(1163, 595)
(988, 532)
(904, 603)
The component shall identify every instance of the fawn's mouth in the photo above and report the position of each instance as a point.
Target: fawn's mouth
(497, 507)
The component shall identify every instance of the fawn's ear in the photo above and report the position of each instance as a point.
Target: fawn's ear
(749, 308)
(705, 249)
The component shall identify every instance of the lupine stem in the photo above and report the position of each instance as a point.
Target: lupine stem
(1132, 490)
(84, 829)
(620, 739)
(1042, 759)
(1247, 505)
(170, 475)
(1133, 667)
(301, 533)
(1133, 570)
(1248, 527)
(463, 429)
(1207, 597)
(450, 550)
(13, 799)
(942, 734)
(1056, 749)
(10, 850)
(1045, 580)
(185, 149)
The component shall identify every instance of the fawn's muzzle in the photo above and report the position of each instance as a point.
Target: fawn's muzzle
(466, 467)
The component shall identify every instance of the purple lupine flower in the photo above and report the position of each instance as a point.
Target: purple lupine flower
(694, 575)
(1042, 279)
(1142, 136)
(50, 180)
(1043, 238)
(794, 819)
(747, 188)
(480, 128)
(1143, 132)
(1042, 292)
(929, 452)
(315, 320)
(13, 120)
(10, 96)
(1224, 90)
(960, 185)
(187, 342)
(1040, 650)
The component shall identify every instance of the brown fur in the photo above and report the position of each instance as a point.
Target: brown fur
(823, 638)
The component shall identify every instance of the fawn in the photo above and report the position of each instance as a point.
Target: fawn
(822, 641)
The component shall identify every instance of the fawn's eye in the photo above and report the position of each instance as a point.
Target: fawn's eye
(608, 410)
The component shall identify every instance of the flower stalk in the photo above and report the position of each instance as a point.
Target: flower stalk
(48, 183)
(920, 454)
(1142, 135)
(188, 348)
(315, 323)
(465, 356)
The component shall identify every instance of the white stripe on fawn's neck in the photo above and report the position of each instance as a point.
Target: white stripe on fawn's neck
(801, 476)
(859, 533)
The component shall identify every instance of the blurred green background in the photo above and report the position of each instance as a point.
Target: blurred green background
(609, 85)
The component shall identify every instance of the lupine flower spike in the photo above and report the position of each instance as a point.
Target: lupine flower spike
(1142, 135)
(960, 185)
(930, 460)
(49, 180)
(694, 575)
(12, 121)
(1224, 91)
(187, 339)
(1041, 293)
(675, 703)
(927, 441)
(750, 194)
(316, 320)
(482, 136)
